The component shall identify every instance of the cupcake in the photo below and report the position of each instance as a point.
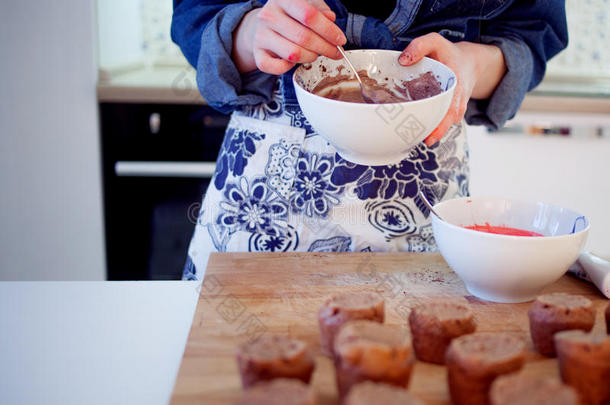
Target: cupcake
(584, 363)
(370, 393)
(371, 351)
(342, 308)
(434, 324)
(521, 389)
(475, 360)
(552, 313)
(280, 391)
(272, 357)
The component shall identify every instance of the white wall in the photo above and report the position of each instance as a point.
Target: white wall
(573, 172)
(50, 187)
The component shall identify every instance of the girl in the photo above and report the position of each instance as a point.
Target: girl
(278, 185)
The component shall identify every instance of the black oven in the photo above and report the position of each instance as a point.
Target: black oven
(158, 160)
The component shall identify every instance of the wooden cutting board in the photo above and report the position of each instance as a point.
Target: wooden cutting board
(245, 295)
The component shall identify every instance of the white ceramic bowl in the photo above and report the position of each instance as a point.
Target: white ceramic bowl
(504, 268)
(373, 134)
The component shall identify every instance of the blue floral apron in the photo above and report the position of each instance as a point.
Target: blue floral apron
(279, 186)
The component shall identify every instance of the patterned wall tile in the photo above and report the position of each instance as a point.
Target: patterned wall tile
(156, 41)
(588, 53)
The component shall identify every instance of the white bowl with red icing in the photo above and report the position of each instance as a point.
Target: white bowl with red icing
(501, 267)
(373, 134)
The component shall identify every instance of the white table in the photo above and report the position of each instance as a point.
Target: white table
(92, 342)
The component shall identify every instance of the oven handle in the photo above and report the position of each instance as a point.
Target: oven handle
(165, 169)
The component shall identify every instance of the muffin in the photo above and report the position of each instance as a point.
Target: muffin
(608, 319)
(521, 389)
(370, 393)
(584, 363)
(367, 350)
(552, 313)
(342, 308)
(280, 391)
(475, 360)
(434, 324)
(272, 357)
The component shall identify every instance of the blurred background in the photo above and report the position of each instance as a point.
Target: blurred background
(106, 146)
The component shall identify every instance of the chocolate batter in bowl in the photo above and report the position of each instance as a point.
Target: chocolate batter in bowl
(345, 88)
(414, 100)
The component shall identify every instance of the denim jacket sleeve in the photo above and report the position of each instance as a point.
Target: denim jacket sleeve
(204, 31)
(529, 33)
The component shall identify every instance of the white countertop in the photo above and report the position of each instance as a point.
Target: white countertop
(161, 84)
(93, 342)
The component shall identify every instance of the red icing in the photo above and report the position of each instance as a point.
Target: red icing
(502, 230)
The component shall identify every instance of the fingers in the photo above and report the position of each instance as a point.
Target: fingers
(269, 63)
(454, 116)
(294, 31)
(459, 103)
(323, 7)
(330, 15)
(300, 35)
(311, 17)
(426, 45)
(439, 131)
(439, 48)
(283, 48)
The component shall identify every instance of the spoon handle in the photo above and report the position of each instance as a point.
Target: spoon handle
(340, 48)
(428, 205)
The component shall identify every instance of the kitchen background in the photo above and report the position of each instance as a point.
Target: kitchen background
(106, 145)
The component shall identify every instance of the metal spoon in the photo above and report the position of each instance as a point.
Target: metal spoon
(367, 94)
(423, 196)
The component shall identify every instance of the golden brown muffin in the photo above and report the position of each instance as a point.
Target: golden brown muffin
(367, 350)
(272, 357)
(342, 308)
(608, 319)
(370, 393)
(584, 363)
(475, 360)
(282, 391)
(522, 389)
(434, 324)
(552, 313)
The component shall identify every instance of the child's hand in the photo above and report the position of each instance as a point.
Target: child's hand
(283, 33)
(478, 69)
(443, 50)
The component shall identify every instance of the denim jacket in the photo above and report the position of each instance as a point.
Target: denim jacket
(529, 33)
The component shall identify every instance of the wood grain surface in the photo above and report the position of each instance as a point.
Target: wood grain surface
(245, 295)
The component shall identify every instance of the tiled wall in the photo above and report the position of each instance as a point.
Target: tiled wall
(587, 55)
(156, 41)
